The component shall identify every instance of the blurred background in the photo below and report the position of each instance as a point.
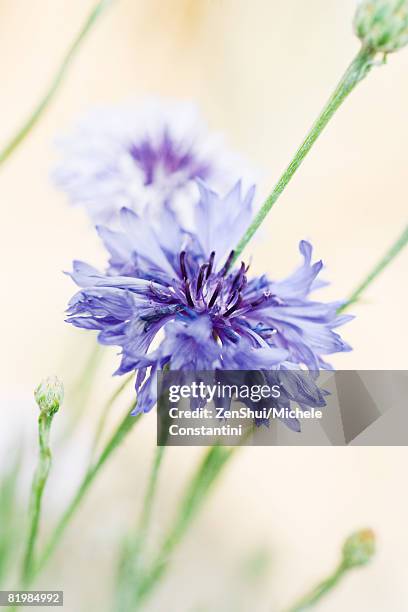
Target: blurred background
(260, 72)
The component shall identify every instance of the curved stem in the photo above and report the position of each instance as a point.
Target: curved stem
(39, 482)
(395, 249)
(56, 82)
(320, 590)
(124, 427)
(358, 69)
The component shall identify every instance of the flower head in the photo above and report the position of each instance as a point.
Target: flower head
(49, 395)
(140, 157)
(382, 25)
(359, 548)
(172, 298)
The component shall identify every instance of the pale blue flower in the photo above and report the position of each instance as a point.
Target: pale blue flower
(172, 298)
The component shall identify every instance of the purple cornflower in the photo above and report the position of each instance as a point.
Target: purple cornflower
(172, 298)
(141, 156)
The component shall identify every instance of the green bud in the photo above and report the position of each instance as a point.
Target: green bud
(49, 395)
(359, 548)
(382, 25)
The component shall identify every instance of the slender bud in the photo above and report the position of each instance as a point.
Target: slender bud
(382, 25)
(49, 395)
(359, 548)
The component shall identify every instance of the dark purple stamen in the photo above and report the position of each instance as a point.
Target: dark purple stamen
(233, 307)
(200, 278)
(188, 294)
(215, 295)
(227, 264)
(183, 265)
(210, 264)
(239, 276)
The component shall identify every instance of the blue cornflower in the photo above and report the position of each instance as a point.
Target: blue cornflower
(170, 297)
(140, 156)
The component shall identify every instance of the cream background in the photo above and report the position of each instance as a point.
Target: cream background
(260, 72)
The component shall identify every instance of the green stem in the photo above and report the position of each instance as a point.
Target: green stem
(210, 468)
(320, 590)
(39, 482)
(125, 426)
(83, 385)
(28, 125)
(9, 515)
(357, 71)
(150, 493)
(105, 411)
(396, 248)
(132, 558)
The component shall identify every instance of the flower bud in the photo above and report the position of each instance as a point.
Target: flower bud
(359, 548)
(382, 25)
(49, 395)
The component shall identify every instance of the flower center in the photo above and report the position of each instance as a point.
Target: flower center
(225, 296)
(167, 161)
(219, 293)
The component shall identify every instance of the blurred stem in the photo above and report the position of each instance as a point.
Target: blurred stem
(356, 72)
(32, 120)
(145, 517)
(105, 412)
(322, 589)
(124, 427)
(83, 385)
(131, 562)
(150, 494)
(210, 468)
(396, 248)
(357, 551)
(39, 482)
(82, 389)
(9, 515)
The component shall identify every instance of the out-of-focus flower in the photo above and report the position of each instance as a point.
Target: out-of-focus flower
(209, 315)
(359, 548)
(49, 395)
(142, 156)
(382, 25)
